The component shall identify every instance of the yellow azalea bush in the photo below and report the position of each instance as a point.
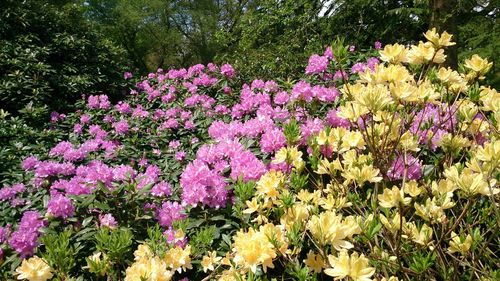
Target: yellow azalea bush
(383, 198)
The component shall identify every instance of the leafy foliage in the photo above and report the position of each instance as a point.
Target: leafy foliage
(50, 55)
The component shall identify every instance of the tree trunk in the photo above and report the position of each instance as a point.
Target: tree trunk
(443, 18)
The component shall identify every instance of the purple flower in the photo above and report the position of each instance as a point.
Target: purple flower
(358, 67)
(174, 144)
(227, 70)
(405, 164)
(25, 239)
(333, 120)
(169, 213)
(60, 206)
(4, 233)
(24, 242)
(107, 220)
(272, 141)
(29, 163)
(328, 52)
(161, 189)
(281, 98)
(325, 94)
(317, 64)
(121, 127)
(372, 63)
(127, 75)
(8, 193)
(352, 48)
(172, 239)
(180, 155)
(85, 118)
(378, 45)
(202, 185)
(302, 91)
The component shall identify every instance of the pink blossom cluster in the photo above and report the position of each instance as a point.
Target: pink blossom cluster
(405, 166)
(203, 180)
(24, 240)
(169, 213)
(432, 122)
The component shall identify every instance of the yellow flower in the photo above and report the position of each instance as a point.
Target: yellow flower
(404, 91)
(297, 213)
(478, 65)
(315, 262)
(327, 167)
(253, 206)
(392, 198)
(178, 258)
(97, 265)
(411, 188)
(439, 41)
(425, 53)
(459, 244)
(420, 236)
(148, 269)
(353, 266)
(252, 249)
(143, 252)
(393, 225)
(393, 53)
(490, 153)
(471, 182)
(290, 155)
(375, 98)
(361, 175)
(34, 269)
(208, 261)
(352, 111)
(269, 184)
(448, 75)
(329, 228)
(431, 211)
(275, 235)
(491, 99)
(353, 139)
(331, 202)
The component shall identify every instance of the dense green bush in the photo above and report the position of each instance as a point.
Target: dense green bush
(50, 56)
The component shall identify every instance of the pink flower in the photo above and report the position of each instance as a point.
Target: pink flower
(405, 165)
(169, 213)
(121, 127)
(227, 70)
(161, 189)
(281, 98)
(317, 64)
(302, 91)
(127, 75)
(272, 141)
(107, 220)
(180, 155)
(328, 52)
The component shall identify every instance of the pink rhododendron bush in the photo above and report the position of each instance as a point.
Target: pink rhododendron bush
(379, 164)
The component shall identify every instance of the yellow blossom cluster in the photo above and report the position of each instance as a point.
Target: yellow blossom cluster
(150, 267)
(34, 269)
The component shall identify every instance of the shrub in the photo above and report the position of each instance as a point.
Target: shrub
(367, 168)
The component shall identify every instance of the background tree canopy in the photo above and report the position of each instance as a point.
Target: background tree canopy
(53, 51)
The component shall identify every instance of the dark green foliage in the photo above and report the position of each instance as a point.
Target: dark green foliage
(51, 56)
(21, 136)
